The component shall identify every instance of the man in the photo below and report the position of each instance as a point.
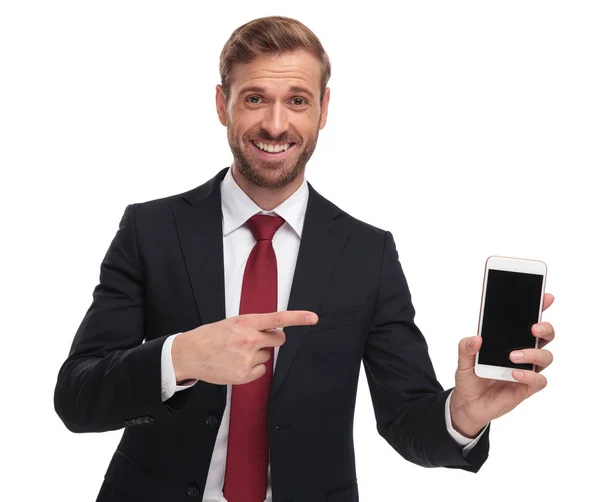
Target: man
(182, 344)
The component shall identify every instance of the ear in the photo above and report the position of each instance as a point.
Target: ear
(324, 109)
(221, 103)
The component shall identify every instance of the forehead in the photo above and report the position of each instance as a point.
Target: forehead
(298, 68)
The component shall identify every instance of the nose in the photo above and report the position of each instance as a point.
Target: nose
(275, 120)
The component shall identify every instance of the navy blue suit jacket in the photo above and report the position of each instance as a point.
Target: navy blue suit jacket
(163, 274)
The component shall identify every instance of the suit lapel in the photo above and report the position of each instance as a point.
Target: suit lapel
(323, 239)
(200, 230)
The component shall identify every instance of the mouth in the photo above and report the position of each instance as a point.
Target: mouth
(271, 151)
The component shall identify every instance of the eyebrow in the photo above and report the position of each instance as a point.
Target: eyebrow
(262, 90)
(299, 89)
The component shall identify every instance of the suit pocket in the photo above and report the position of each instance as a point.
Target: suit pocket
(340, 319)
(348, 492)
(126, 481)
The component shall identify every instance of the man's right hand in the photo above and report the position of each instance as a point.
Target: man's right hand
(234, 350)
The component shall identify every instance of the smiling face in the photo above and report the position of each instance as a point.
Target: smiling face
(273, 117)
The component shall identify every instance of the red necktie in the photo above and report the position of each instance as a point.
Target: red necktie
(248, 446)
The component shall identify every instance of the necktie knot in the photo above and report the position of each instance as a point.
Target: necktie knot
(264, 226)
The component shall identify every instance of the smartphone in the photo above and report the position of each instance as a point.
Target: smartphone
(511, 303)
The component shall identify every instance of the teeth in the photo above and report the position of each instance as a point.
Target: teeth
(272, 148)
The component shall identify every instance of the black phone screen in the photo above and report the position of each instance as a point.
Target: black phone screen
(511, 308)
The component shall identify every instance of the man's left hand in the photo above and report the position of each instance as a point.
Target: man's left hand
(476, 401)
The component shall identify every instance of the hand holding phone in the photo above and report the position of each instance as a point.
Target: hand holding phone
(511, 303)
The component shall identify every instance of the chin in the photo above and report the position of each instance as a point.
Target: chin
(268, 175)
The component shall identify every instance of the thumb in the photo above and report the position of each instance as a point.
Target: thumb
(467, 350)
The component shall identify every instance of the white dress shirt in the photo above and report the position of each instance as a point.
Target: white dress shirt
(238, 242)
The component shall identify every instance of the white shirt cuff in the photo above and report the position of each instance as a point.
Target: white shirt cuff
(168, 385)
(467, 443)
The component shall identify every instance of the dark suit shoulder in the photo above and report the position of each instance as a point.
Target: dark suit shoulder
(154, 214)
(365, 227)
(164, 206)
(160, 204)
(358, 226)
(353, 223)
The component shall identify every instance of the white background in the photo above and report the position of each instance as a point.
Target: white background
(465, 128)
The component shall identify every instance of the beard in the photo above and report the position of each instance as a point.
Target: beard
(260, 173)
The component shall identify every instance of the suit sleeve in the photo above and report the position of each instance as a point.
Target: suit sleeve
(112, 376)
(407, 398)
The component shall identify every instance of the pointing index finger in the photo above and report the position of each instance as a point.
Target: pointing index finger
(282, 319)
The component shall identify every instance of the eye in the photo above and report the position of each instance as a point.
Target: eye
(299, 101)
(253, 99)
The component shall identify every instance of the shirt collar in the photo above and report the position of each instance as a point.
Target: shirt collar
(238, 207)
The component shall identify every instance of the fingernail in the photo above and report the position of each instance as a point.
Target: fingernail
(471, 342)
(312, 318)
(517, 355)
(519, 374)
(539, 330)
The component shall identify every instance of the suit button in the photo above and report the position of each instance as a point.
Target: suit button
(193, 491)
(212, 421)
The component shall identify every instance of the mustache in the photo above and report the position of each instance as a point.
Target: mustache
(282, 138)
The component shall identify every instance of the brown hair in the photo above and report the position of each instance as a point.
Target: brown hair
(271, 35)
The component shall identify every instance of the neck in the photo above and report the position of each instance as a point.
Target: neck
(266, 198)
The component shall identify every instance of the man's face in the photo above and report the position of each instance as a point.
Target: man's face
(273, 116)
